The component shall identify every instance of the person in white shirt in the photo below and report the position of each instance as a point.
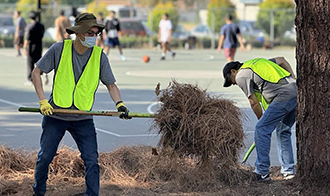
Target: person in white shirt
(165, 35)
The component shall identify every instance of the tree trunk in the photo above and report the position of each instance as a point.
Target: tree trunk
(313, 70)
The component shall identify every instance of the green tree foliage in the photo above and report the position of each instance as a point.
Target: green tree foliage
(95, 7)
(152, 3)
(284, 15)
(149, 3)
(25, 6)
(159, 11)
(219, 8)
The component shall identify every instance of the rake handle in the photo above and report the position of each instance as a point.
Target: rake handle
(92, 112)
(247, 154)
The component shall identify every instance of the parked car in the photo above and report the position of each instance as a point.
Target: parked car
(250, 32)
(133, 27)
(187, 40)
(202, 31)
(7, 27)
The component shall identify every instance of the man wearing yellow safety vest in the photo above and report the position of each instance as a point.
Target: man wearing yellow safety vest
(78, 66)
(271, 83)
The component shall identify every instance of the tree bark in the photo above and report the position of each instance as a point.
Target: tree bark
(313, 71)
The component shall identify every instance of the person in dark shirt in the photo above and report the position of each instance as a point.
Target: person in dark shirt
(112, 29)
(230, 35)
(33, 44)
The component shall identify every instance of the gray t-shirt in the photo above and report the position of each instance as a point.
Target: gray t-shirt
(50, 61)
(250, 82)
(20, 22)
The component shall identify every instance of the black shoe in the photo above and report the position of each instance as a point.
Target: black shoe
(261, 178)
(162, 58)
(173, 54)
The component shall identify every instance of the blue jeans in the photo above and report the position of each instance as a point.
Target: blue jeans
(83, 132)
(279, 116)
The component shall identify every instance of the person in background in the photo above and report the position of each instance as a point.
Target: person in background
(230, 35)
(33, 44)
(61, 23)
(100, 39)
(165, 35)
(20, 25)
(112, 29)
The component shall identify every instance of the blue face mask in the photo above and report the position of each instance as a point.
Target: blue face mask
(89, 41)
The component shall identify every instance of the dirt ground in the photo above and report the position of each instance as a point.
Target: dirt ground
(75, 187)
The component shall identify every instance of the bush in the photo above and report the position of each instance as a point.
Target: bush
(159, 11)
(283, 17)
(134, 42)
(219, 8)
(7, 41)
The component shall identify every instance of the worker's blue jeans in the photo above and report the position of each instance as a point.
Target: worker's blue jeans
(279, 116)
(83, 132)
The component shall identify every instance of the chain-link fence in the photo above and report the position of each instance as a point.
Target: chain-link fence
(192, 28)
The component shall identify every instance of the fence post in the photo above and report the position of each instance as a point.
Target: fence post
(272, 27)
(213, 29)
(151, 28)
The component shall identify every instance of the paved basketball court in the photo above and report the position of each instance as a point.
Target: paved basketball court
(137, 81)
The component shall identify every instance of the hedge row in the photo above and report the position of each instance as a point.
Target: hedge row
(144, 42)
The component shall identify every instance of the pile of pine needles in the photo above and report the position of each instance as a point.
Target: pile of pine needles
(194, 123)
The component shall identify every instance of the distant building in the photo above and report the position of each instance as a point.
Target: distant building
(247, 9)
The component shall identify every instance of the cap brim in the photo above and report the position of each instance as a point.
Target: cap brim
(227, 82)
(83, 28)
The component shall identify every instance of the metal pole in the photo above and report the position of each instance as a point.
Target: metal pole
(272, 27)
(131, 9)
(213, 29)
(244, 11)
(39, 11)
(151, 17)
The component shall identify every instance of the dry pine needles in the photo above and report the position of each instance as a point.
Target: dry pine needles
(192, 122)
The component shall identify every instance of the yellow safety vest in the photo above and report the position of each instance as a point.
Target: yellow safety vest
(268, 71)
(68, 93)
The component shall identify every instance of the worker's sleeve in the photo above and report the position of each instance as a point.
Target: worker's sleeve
(106, 75)
(246, 84)
(47, 62)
